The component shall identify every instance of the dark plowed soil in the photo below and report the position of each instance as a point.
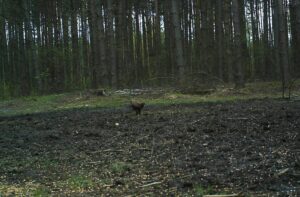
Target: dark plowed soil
(250, 147)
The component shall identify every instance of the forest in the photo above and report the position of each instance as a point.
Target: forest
(150, 98)
(62, 45)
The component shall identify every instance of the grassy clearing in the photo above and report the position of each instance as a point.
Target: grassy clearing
(55, 102)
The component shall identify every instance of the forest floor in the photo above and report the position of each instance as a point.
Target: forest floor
(246, 146)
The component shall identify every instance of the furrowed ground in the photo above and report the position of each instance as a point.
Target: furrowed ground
(248, 146)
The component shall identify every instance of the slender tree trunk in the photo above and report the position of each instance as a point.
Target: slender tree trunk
(66, 46)
(276, 37)
(205, 36)
(239, 76)
(178, 41)
(157, 37)
(266, 47)
(94, 32)
(112, 44)
(211, 50)
(244, 43)
(85, 44)
(148, 47)
(144, 48)
(138, 47)
(283, 46)
(169, 42)
(120, 42)
(219, 38)
(255, 37)
(131, 61)
(57, 80)
(3, 56)
(75, 46)
(228, 41)
(37, 75)
(103, 69)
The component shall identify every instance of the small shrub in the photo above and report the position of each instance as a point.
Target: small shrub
(120, 167)
(80, 182)
(201, 191)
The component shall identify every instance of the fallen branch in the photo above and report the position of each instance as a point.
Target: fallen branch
(111, 150)
(282, 172)
(229, 195)
(107, 150)
(95, 162)
(145, 149)
(237, 118)
(196, 121)
(150, 184)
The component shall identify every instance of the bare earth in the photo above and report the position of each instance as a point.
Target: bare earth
(251, 147)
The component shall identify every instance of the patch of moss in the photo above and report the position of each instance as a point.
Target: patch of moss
(120, 167)
(79, 182)
(201, 191)
(28, 189)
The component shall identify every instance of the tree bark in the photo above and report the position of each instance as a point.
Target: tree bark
(3, 57)
(219, 38)
(138, 47)
(283, 46)
(295, 27)
(228, 34)
(75, 46)
(112, 44)
(239, 75)
(178, 41)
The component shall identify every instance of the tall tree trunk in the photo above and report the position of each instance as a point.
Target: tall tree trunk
(85, 43)
(130, 55)
(255, 37)
(157, 38)
(198, 40)
(94, 32)
(138, 46)
(178, 41)
(205, 36)
(266, 48)
(239, 75)
(276, 38)
(75, 46)
(57, 80)
(145, 57)
(295, 26)
(244, 43)
(219, 38)
(121, 43)
(148, 47)
(66, 45)
(111, 43)
(103, 75)
(3, 56)
(168, 42)
(98, 71)
(283, 45)
(228, 42)
(37, 76)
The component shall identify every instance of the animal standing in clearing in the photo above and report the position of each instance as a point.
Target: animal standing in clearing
(137, 107)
